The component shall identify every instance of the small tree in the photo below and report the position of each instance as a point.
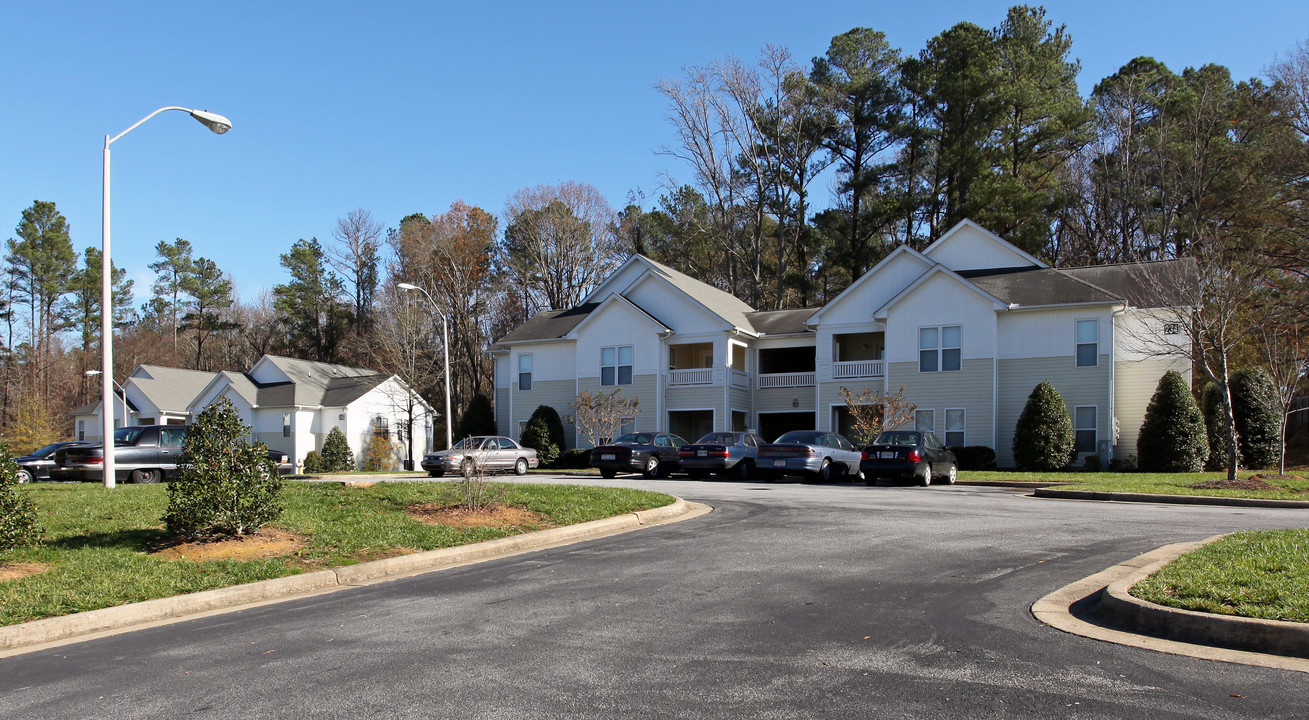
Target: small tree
(1215, 423)
(18, 523)
(478, 418)
(873, 411)
(314, 462)
(380, 454)
(337, 456)
(537, 436)
(1043, 438)
(1173, 434)
(1257, 411)
(599, 417)
(224, 484)
(33, 425)
(473, 490)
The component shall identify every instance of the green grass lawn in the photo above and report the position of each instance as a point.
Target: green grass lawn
(1262, 574)
(1152, 483)
(95, 539)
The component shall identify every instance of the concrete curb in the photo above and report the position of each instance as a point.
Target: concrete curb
(1055, 610)
(105, 621)
(1277, 637)
(1046, 492)
(1009, 483)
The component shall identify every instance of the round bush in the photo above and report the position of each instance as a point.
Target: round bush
(537, 436)
(1173, 434)
(1043, 438)
(314, 463)
(1215, 423)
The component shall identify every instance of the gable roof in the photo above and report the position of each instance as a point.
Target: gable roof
(320, 383)
(1149, 285)
(169, 389)
(867, 277)
(723, 304)
(1000, 243)
(781, 322)
(549, 324)
(938, 269)
(616, 299)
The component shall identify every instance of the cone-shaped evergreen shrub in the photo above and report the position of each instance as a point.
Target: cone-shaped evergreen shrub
(1173, 434)
(1215, 427)
(18, 524)
(478, 418)
(337, 456)
(1258, 418)
(314, 463)
(1043, 438)
(537, 436)
(224, 484)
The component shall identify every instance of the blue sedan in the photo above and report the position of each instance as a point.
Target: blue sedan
(730, 454)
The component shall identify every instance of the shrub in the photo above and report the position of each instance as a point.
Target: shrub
(380, 454)
(537, 436)
(575, 459)
(478, 418)
(337, 456)
(314, 463)
(1173, 433)
(1211, 401)
(1258, 417)
(553, 424)
(1091, 463)
(1123, 464)
(974, 457)
(18, 523)
(1043, 438)
(224, 484)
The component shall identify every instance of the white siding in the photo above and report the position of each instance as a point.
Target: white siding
(968, 247)
(1134, 385)
(874, 291)
(1140, 335)
(618, 324)
(674, 308)
(265, 371)
(941, 301)
(550, 361)
(1048, 333)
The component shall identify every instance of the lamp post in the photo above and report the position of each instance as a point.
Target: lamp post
(219, 125)
(121, 391)
(445, 356)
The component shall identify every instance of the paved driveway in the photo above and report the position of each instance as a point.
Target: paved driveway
(788, 601)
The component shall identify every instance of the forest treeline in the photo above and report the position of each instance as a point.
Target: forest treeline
(790, 181)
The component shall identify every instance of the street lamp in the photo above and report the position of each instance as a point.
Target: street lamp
(121, 391)
(219, 125)
(445, 355)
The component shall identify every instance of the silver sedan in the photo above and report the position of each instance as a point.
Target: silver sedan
(812, 454)
(489, 453)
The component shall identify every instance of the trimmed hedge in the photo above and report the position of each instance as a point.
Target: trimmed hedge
(1173, 434)
(1258, 418)
(1043, 438)
(974, 457)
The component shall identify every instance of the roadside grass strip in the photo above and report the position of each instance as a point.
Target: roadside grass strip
(97, 543)
(1257, 574)
(1292, 488)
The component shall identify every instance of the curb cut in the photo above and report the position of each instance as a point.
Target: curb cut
(48, 632)
(1055, 610)
(1046, 492)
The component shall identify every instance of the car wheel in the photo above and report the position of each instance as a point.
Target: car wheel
(952, 475)
(869, 480)
(608, 474)
(24, 475)
(824, 473)
(743, 470)
(146, 477)
(520, 467)
(926, 478)
(651, 467)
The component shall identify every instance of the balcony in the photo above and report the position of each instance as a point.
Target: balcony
(786, 380)
(691, 376)
(858, 369)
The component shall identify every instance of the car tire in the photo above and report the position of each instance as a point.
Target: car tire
(824, 473)
(520, 467)
(926, 478)
(952, 475)
(146, 477)
(608, 474)
(742, 471)
(651, 469)
(24, 476)
(870, 480)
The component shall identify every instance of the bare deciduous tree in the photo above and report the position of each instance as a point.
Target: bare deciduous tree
(872, 412)
(598, 417)
(356, 256)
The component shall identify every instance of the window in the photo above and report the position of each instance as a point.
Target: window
(286, 424)
(626, 425)
(925, 420)
(382, 427)
(955, 435)
(81, 429)
(1084, 422)
(939, 349)
(525, 372)
(1088, 343)
(616, 365)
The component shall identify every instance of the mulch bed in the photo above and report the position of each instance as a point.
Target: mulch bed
(490, 516)
(13, 571)
(264, 543)
(1255, 482)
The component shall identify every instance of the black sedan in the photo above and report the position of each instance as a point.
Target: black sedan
(36, 465)
(909, 455)
(651, 454)
(730, 454)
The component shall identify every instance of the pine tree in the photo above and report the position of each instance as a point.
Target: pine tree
(337, 456)
(1043, 438)
(1173, 434)
(536, 435)
(478, 418)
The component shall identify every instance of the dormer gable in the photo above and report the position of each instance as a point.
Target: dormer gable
(969, 246)
(858, 301)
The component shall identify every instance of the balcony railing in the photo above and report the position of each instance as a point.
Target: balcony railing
(786, 380)
(858, 369)
(696, 376)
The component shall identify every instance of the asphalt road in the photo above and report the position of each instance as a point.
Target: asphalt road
(787, 601)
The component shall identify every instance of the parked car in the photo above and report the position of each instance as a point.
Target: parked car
(730, 454)
(142, 454)
(282, 461)
(493, 453)
(651, 454)
(811, 454)
(36, 464)
(909, 455)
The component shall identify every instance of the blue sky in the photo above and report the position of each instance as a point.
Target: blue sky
(405, 107)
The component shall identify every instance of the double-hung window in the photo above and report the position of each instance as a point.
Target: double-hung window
(939, 349)
(525, 372)
(616, 365)
(925, 420)
(1088, 343)
(954, 427)
(1084, 422)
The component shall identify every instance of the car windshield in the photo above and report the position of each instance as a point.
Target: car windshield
(127, 435)
(470, 443)
(903, 438)
(720, 438)
(804, 437)
(46, 451)
(635, 439)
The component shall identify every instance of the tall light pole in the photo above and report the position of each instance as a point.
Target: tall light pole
(122, 393)
(219, 125)
(445, 356)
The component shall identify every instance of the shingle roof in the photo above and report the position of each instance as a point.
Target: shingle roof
(171, 389)
(1146, 285)
(723, 304)
(549, 324)
(780, 322)
(315, 381)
